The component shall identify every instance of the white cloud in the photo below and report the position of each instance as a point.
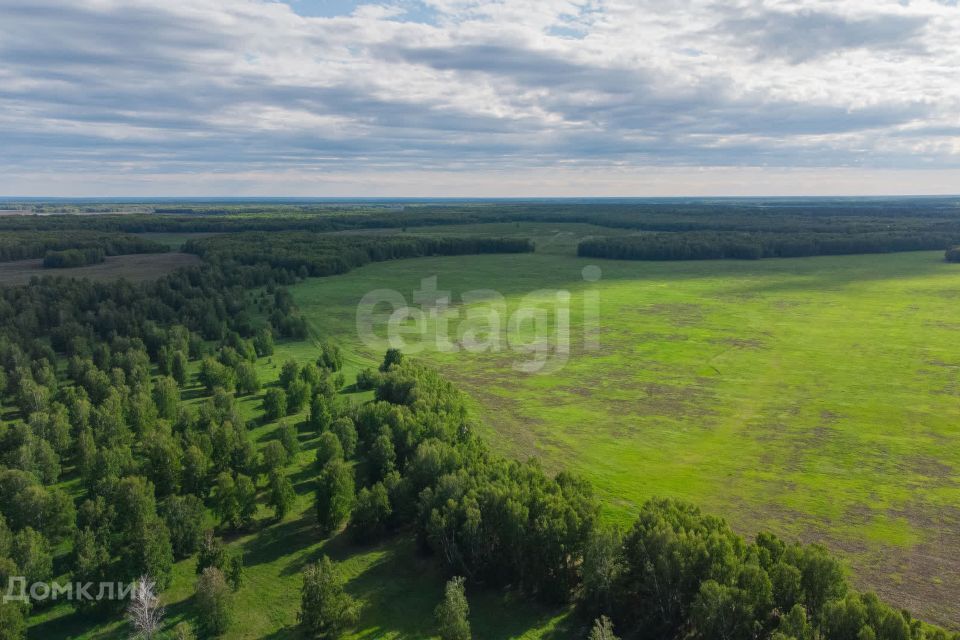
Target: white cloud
(187, 91)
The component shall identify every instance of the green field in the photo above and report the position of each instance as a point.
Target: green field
(816, 397)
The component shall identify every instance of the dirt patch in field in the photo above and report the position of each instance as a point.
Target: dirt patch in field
(679, 314)
(923, 578)
(136, 268)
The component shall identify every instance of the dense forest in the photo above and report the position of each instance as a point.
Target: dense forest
(23, 245)
(93, 377)
(701, 245)
(311, 254)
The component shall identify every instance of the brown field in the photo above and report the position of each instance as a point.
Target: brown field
(137, 268)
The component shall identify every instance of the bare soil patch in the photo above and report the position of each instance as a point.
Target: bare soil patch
(136, 268)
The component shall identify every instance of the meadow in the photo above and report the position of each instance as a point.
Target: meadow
(816, 397)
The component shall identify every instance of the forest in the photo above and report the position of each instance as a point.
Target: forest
(106, 473)
(26, 244)
(700, 245)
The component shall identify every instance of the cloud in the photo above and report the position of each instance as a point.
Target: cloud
(805, 35)
(193, 90)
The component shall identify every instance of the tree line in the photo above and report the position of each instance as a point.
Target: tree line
(82, 245)
(69, 258)
(310, 254)
(753, 246)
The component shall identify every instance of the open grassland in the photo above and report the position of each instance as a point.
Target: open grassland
(817, 397)
(135, 267)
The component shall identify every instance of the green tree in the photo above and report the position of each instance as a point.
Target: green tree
(179, 367)
(371, 513)
(184, 516)
(275, 404)
(148, 551)
(225, 502)
(263, 342)
(326, 610)
(287, 435)
(453, 613)
(214, 602)
(335, 494)
(347, 434)
(601, 567)
(602, 630)
(298, 392)
(247, 379)
(166, 395)
(31, 553)
(289, 372)
(274, 456)
(391, 358)
(212, 553)
(246, 493)
(328, 449)
(12, 624)
(320, 417)
(282, 495)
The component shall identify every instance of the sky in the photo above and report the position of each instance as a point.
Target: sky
(475, 98)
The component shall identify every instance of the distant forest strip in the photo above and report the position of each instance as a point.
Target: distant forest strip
(753, 246)
(313, 255)
(70, 258)
(24, 245)
(933, 215)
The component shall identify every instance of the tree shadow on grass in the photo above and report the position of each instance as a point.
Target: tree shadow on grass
(80, 622)
(401, 590)
(279, 540)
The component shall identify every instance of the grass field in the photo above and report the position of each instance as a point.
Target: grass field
(816, 397)
(136, 268)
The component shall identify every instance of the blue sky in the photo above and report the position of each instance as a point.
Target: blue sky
(479, 97)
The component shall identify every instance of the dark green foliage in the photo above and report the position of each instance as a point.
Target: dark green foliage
(287, 435)
(12, 624)
(391, 358)
(335, 495)
(716, 245)
(71, 258)
(274, 404)
(347, 435)
(367, 379)
(184, 517)
(326, 610)
(247, 380)
(371, 514)
(453, 613)
(281, 495)
(602, 630)
(274, 457)
(328, 450)
(320, 416)
(298, 392)
(77, 248)
(214, 602)
(31, 553)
